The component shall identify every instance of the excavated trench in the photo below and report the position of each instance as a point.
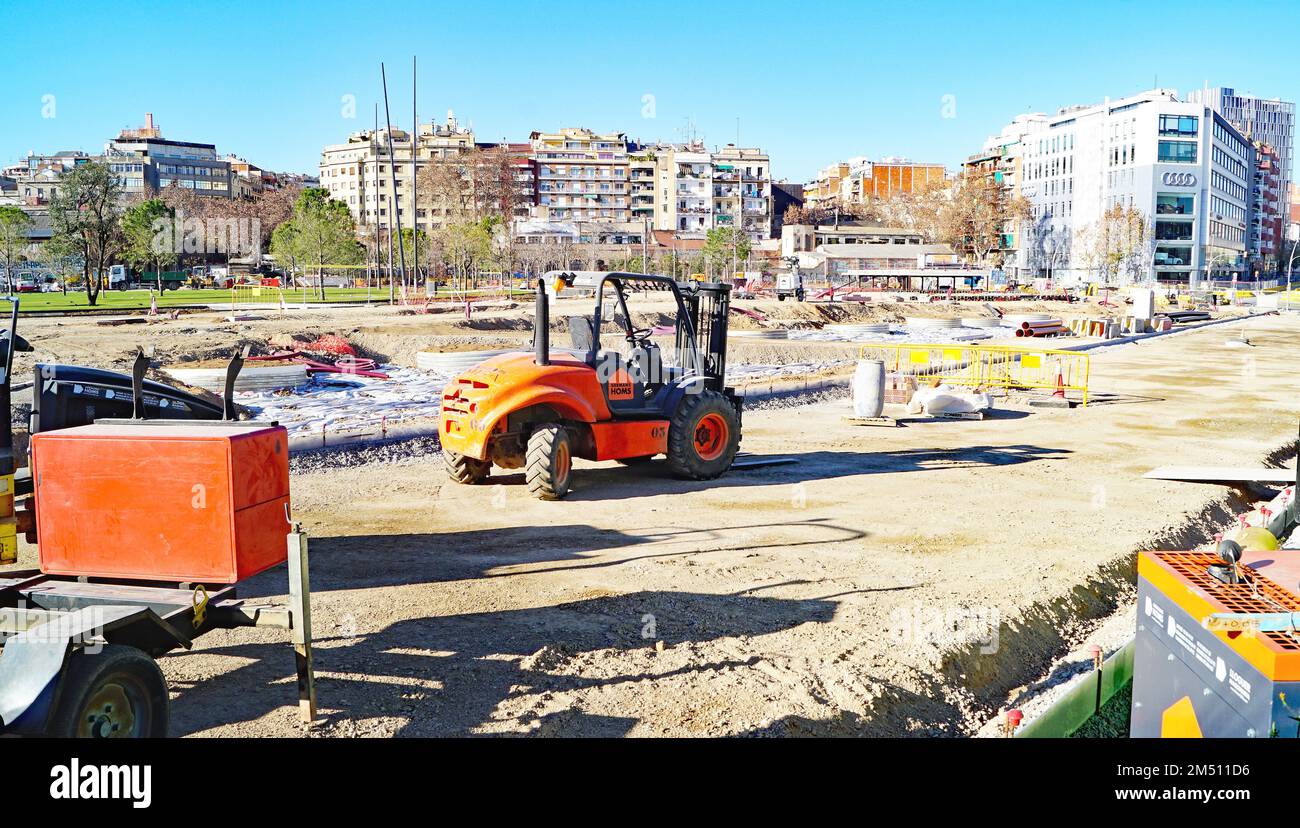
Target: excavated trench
(1032, 646)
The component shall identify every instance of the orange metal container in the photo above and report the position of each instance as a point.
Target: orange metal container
(192, 502)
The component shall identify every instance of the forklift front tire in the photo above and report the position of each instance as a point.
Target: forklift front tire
(115, 693)
(467, 470)
(703, 436)
(550, 462)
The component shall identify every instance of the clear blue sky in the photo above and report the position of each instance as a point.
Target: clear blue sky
(811, 82)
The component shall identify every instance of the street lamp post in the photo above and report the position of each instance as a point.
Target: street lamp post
(1295, 240)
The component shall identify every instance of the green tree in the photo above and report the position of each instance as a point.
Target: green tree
(465, 247)
(14, 223)
(320, 232)
(726, 248)
(85, 216)
(148, 235)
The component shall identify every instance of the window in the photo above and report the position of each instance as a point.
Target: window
(1168, 204)
(1178, 124)
(1173, 231)
(1178, 152)
(1171, 256)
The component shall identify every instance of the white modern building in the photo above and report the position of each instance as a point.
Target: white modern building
(1269, 121)
(1184, 167)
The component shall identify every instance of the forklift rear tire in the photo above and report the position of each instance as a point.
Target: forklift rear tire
(115, 693)
(550, 462)
(468, 470)
(703, 436)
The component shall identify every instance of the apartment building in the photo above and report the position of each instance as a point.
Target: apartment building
(582, 175)
(359, 172)
(1293, 220)
(887, 177)
(524, 172)
(785, 194)
(1269, 207)
(684, 190)
(1000, 162)
(807, 238)
(860, 179)
(36, 177)
(742, 190)
(1268, 121)
(1179, 163)
(146, 162)
(824, 190)
(143, 161)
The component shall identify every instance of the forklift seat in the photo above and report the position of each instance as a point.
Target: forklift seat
(645, 364)
(581, 336)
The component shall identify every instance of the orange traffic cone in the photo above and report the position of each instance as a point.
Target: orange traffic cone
(1060, 386)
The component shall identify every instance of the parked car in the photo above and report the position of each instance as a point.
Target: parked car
(26, 284)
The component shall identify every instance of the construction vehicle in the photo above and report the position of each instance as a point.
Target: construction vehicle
(124, 580)
(791, 283)
(537, 411)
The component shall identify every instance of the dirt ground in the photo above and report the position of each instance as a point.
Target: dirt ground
(847, 593)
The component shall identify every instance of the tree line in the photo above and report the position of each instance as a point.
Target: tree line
(979, 219)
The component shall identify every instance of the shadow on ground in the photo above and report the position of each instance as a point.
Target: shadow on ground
(629, 482)
(445, 676)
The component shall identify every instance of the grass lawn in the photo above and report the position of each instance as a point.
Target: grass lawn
(127, 300)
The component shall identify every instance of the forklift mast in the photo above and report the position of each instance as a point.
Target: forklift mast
(708, 306)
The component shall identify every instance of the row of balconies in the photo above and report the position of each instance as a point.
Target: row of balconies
(562, 187)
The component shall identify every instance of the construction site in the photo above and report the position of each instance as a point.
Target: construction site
(520, 524)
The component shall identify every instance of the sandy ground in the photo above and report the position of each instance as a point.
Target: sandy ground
(903, 581)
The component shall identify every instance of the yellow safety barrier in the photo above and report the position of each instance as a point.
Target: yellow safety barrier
(255, 295)
(988, 366)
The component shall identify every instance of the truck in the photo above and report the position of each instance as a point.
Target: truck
(119, 277)
(171, 279)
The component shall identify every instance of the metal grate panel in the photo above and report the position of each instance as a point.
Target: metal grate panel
(1191, 566)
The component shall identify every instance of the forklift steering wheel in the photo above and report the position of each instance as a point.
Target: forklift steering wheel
(639, 334)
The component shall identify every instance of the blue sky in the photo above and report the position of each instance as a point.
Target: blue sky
(811, 82)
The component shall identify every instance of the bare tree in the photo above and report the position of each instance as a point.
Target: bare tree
(979, 216)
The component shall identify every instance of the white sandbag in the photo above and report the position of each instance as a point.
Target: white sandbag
(869, 388)
(945, 400)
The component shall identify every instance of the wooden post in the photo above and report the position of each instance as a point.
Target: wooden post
(300, 622)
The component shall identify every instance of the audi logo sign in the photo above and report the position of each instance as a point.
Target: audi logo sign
(1179, 179)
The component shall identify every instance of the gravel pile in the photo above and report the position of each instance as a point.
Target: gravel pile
(393, 451)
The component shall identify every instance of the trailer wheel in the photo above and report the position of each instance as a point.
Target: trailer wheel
(462, 469)
(550, 462)
(703, 436)
(115, 693)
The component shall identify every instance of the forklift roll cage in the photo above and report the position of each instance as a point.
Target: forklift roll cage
(701, 328)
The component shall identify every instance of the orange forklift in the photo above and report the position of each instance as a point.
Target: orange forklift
(537, 411)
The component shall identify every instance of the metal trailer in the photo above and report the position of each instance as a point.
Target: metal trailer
(77, 654)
